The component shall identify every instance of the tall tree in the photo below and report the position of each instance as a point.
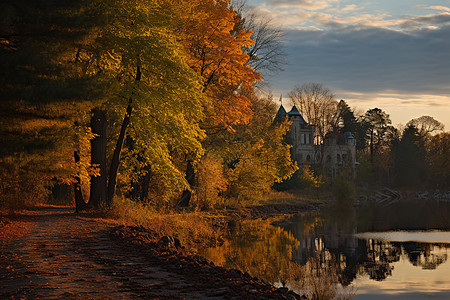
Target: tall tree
(438, 158)
(377, 123)
(151, 84)
(123, 57)
(215, 53)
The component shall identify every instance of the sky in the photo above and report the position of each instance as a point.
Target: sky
(390, 54)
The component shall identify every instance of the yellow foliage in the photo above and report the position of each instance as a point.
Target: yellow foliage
(211, 182)
(308, 176)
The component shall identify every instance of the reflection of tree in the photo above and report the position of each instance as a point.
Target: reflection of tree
(379, 257)
(333, 230)
(321, 278)
(256, 247)
(420, 255)
(316, 252)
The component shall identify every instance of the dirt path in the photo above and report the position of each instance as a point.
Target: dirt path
(69, 257)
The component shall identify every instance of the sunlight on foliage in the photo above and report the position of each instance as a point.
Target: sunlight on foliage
(258, 248)
(192, 228)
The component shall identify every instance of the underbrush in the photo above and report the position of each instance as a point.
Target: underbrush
(19, 192)
(194, 229)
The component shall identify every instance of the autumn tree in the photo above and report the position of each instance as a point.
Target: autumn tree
(154, 88)
(215, 53)
(256, 154)
(122, 58)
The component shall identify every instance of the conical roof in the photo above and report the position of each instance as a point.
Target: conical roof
(294, 112)
(281, 115)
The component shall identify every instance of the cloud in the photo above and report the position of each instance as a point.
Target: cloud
(428, 20)
(309, 13)
(303, 4)
(348, 8)
(438, 7)
(370, 59)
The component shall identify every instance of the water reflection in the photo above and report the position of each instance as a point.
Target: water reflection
(319, 254)
(256, 247)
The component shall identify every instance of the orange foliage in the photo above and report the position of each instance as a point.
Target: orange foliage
(214, 50)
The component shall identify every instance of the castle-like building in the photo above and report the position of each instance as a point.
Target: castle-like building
(336, 151)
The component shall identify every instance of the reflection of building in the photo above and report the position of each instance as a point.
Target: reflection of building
(335, 151)
(423, 255)
(332, 242)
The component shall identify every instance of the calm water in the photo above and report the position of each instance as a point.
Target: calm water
(394, 252)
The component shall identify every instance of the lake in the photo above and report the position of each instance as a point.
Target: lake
(398, 251)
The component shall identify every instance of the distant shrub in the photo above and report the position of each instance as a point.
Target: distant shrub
(343, 188)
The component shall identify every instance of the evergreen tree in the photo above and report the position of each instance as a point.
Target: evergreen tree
(410, 161)
(377, 123)
(349, 123)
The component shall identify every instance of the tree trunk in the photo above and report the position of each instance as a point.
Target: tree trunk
(98, 157)
(79, 201)
(190, 177)
(116, 155)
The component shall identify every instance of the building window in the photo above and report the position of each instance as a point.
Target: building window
(308, 158)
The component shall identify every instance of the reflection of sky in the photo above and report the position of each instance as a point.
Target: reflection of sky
(391, 54)
(408, 282)
(408, 236)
